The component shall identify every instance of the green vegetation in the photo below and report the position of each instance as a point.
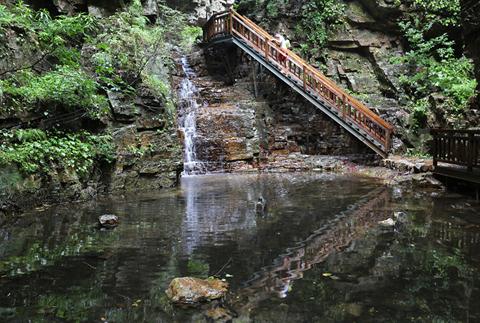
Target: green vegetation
(439, 77)
(52, 42)
(319, 18)
(189, 35)
(272, 7)
(35, 151)
(71, 64)
(435, 68)
(66, 86)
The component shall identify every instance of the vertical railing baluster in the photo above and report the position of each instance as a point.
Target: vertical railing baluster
(470, 152)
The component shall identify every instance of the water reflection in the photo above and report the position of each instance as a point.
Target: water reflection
(213, 217)
(318, 255)
(332, 237)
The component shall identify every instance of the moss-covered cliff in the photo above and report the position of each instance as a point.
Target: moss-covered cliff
(86, 104)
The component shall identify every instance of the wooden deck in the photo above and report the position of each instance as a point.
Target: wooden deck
(456, 154)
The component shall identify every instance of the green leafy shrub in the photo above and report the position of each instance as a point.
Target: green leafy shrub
(67, 86)
(19, 15)
(445, 12)
(125, 47)
(55, 150)
(189, 35)
(272, 8)
(56, 41)
(318, 19)
(431, 60)
(27, 135)
(53, 36)
(434, 67)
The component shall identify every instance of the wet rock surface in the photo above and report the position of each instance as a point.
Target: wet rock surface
(191, 291)
(249, 120)
(108, 220)
(408, 164)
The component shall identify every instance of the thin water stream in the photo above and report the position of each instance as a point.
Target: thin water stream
(189, 102)
(318, 255)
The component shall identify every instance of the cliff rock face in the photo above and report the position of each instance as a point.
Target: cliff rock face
(200, 10)
(248, 119)
(143, 127)
(359, 53)
(359, 56)
(471, 35)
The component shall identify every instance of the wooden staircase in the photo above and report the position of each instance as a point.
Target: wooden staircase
(323, 93)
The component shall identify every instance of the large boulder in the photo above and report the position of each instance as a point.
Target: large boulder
(191, 291)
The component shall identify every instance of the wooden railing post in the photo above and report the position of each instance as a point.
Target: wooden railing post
(304, 77)
(435, 148)
(388, 140)
(470, 151)
(230, 21)
(266, 48)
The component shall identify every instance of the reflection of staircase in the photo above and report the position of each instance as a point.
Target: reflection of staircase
(348, 226)
(351, 114)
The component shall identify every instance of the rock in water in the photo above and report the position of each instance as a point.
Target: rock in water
(108, 220)
(387, 223)
(218, 315)
(190, 290)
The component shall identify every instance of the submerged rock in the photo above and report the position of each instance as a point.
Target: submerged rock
(218, 314)
(108, 220)
(387, 223)
(261, 206)
(191, 291)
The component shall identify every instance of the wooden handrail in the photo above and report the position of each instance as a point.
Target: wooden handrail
(294, 67)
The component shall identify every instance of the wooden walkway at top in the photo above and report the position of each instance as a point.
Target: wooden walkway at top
(322, 92)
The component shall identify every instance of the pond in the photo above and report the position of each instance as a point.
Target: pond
(319, 253)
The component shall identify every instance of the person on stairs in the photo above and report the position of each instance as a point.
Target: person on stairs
(282, 42)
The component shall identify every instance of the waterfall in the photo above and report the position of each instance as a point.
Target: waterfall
(188, 97)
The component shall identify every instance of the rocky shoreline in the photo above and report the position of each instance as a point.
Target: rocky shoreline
(395, 171)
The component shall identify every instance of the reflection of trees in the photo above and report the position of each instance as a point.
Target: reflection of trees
(70, 270)
(455, 235)
(61, 237)
(291, 265)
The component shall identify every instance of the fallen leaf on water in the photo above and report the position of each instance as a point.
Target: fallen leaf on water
(327, 274)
